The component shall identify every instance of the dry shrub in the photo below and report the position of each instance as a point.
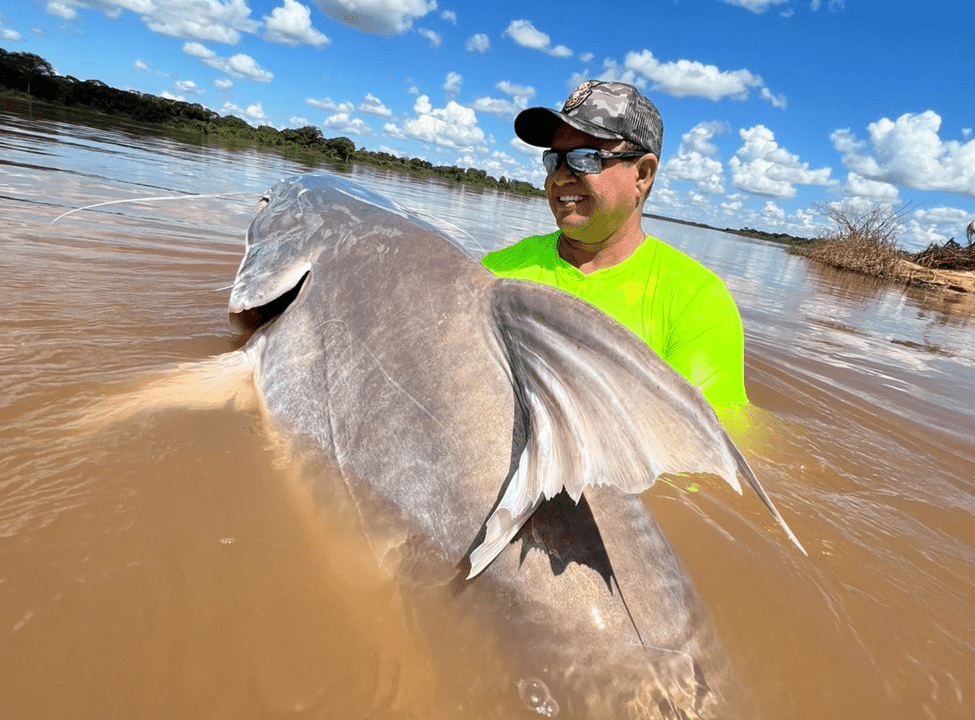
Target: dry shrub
(860, 254)
(949, 256)
(865, 241)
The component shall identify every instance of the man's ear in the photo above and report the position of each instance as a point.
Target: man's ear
(646, 172)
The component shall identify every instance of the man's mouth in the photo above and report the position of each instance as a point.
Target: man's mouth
(570, 198)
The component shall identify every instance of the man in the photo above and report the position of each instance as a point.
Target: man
(602, 158)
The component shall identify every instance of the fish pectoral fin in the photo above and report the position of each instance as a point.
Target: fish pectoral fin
(501, 527)
(602, 407)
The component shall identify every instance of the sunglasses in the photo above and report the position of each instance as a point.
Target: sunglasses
(584, 161)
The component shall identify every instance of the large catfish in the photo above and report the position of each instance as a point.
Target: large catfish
(492, 436)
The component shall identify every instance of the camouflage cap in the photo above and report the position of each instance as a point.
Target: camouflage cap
(605, 110)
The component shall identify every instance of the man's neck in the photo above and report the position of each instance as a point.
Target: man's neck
(598, 256)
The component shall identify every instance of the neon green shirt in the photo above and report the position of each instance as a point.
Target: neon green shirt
(680, 308)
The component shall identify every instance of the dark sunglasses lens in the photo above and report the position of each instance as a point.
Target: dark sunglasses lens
(586, 162)
(551, 161)
(580, 162)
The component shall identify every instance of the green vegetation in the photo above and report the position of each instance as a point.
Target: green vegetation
(30, 77)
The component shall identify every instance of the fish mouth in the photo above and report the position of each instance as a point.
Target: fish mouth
(249, 320)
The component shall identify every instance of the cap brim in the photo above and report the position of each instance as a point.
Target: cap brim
(538, 125)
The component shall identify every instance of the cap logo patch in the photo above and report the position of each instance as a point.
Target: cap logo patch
(579, 95)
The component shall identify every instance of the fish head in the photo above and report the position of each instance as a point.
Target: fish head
(298, 221)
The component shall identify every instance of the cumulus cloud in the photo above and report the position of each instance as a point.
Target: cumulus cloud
(762, 167)
(215, 20)
(452, 84)
(344, 123)
(479, 42)
(778, 101)
(936, 224)
(433, 37)
(874, 190)
(291, 24)
(523, 148)
(142, 66)
(382, 17)
(694, 159)
(223, 83)
(756, 6)
(10, 35)
(685, 78)
(449, 16)
(62, 10)
(253, 114)
(520, 96)
(187, 87)
(452, 126)
(524, 33)
(908, 151)
(240, 66)
(330, 105)
(374, 106)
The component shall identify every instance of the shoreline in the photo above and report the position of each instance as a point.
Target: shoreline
(20, 103)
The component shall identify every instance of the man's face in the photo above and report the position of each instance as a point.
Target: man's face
(594, 209)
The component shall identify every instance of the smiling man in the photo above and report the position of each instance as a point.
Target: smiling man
(601, 158)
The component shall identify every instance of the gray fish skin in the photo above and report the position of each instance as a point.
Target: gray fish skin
(396, 366)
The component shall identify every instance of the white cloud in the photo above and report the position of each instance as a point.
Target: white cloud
(495, 106)
(187, 87)
(298, 121)
(479, 42)
(778, 101)
(771, 211)
(239, 66)
(330, 105)
(223, 83)
(756, 6)
(762, 167)
(142, 66)
(937, 225)
(523, 148)
(343, 123)
(452, 84)
(374, 106)
(685, 78)
(215, 20)
(254, 114)
(871, 189)
(63, 11)
(452, 126)
(383, 17)
(291, 24)
(909, 152)
(450, 16)
(433, 37)
(525, 34)
(520, 95)
(587, 57)
(693, 160)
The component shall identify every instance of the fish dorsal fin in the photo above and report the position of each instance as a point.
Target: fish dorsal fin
(603, 409)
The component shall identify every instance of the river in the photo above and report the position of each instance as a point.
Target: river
(156, 568)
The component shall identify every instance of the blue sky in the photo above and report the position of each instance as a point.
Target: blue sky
(770, 107)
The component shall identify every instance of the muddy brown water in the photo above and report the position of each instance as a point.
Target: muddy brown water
(164, 567)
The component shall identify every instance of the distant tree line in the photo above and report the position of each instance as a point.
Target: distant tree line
(30, 75)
